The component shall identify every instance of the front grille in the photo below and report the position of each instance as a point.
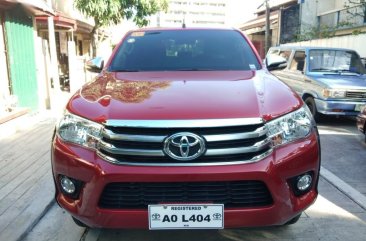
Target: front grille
(243, 194)
(136, 145)
(356, 94)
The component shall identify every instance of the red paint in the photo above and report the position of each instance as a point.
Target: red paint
(273, 170)
(184, 95)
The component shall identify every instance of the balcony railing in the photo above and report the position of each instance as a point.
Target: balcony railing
(346, 18)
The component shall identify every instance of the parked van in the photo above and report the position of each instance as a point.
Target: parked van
(331, 81)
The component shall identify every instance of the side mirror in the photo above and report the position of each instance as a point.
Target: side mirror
(95, 65)
(274, 62)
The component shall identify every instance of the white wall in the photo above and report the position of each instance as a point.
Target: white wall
(310, 9)
(67, 7)
(355, 42)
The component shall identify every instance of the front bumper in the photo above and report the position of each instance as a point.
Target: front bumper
(275, 170)
(339, 107)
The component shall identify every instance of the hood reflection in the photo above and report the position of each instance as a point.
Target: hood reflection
(122, 90)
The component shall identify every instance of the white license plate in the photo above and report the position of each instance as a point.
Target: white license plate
(189, 216)
(359, 107)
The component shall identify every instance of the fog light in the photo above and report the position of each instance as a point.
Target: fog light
(304, 182)
(67, 185)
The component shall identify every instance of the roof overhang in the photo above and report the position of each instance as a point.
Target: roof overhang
(60, 21)
(259, 22)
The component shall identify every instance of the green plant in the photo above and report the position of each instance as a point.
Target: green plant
(107, 12)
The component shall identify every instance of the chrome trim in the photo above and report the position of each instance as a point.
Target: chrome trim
(184, 123)
(184, 164)
(261, 131)
(184, 146)
(126, 137)
(130, 152)
(239, 150)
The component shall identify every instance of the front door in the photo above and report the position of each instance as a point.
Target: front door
(21, 56)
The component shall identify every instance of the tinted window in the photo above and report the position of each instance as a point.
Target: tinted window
(184, 50)
(298, 62)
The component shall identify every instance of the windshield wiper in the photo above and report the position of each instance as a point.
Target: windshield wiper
(347, 71)
(323, 70)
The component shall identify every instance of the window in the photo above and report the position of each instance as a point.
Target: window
(184, 50)
(298, 62)
(327, 60)
(285, 53)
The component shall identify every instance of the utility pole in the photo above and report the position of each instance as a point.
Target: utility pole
(267, 42)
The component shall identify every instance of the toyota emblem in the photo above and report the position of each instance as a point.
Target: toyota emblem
(184, 146)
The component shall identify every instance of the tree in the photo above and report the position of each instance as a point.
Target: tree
(356, 8)
(107, 12)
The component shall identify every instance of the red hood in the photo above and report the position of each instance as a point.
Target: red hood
(184, 95)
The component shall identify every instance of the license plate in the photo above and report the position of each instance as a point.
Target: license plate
(359, 107)
(190, 216)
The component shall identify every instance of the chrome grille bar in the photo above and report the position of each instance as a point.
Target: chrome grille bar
(237, 136)
(130, 152)
(239, 150)
(228, 141)
(184, 123)
(356, 94)
(126, 137)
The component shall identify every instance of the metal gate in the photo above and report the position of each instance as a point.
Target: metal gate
(21, 57)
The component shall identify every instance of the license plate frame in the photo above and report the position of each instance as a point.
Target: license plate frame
(186, 216)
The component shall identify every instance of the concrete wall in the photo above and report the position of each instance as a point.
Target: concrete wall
(67, 8)
(310, 9)
(355, 42)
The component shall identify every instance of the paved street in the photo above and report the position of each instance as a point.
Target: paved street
(26, 187)
(344, 151)
(26, 193)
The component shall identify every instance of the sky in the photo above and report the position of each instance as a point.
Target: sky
(241, 11)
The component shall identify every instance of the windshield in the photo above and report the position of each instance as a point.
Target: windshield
(184, 50)
(337, 61)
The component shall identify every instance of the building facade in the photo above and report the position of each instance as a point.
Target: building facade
(281, 23)
(18, 67)
(43, 48)
(193, 13)
(330, 18)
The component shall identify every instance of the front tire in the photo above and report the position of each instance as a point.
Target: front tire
(294, 220)
(79, 223)
(309, 101)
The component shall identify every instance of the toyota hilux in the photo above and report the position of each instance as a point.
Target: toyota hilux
(185, 129)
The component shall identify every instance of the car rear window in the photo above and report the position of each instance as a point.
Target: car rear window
(184, 50)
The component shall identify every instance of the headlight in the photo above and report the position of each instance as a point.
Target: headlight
(79, 131)
(334, 93)
(290, 127)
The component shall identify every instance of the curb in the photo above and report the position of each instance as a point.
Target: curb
(345, 188)
(36, 220)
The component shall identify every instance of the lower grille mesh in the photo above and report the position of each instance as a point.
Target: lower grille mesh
(140, 195)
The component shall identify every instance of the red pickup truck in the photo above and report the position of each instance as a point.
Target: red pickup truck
(185, 129)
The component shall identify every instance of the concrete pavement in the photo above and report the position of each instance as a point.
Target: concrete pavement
(26, 186)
